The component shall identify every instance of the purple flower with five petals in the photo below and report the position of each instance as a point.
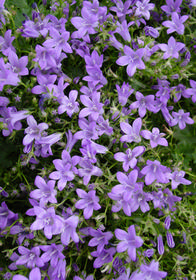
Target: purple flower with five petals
(106, 256)
(176, 25)
(88, 170)
(132, 132)
(48, 221)
(45, 192)
(70, 105)
(155, 171)
(52, 253)
(100, 239)
(181, 118)
(132, 59)
(129, 158)
(172, 48)
(30, 257)
(155, 137)
(33, 131)
(129, 241)
(88, 202)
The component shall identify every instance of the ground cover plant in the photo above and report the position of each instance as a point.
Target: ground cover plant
(97, 117)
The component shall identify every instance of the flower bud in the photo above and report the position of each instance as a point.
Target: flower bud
(170, 240)
(160, 245)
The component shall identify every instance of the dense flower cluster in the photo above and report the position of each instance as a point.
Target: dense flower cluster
(97, 176)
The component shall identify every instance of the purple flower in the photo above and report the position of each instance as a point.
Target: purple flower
(88, 130)
(143, 103)
(155, 171)
(151, 31)
(94, 59)
(172, 49)
(132, 59)
(59, 271)
(94, 107)
(58, 41)
(103, 257)
(6, 43)
(127, 186)
(52, 253)
(69, 230)
(100, 239)
(35, 274)
(95, 76)
(46, 192)
(148, 253)
(5, 215)
(7, 76)
(139, 199)
(70, 105)
(177, 178)
(43, 146)
(88, 202)
(45, 57)
(85, 24)
(129, 241)
(124, 92)
(155, 137)
(151, 271)
(181, 118)
(33, 131)
(30, 257)
(192, 91)
(129, 158)
(121, 9)
(132, 132)
(64, 172)
(47, 220)
(171, 199)
(90, 149)
(103, 126)
(176, 25)
(88, 170)
(21, 232)
(18, 65)
(123, 30)
(172, 6)
(143, 8)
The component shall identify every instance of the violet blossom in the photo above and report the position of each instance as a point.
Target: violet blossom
(129, 158)
(129, 241)
(172, 48)
(155, 137)
(124, 92)
(176, 25)
(132, 132)
(133, 59)
(155, 171)
(88, 202)
(30, 257)
(70, 105)
(45, 192)
(48, 221)
(103, 257)
(52, 253)
(34, 274)
(181, 118)
(143, 103)
(143, 8)
(100, 239)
